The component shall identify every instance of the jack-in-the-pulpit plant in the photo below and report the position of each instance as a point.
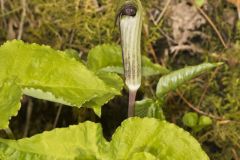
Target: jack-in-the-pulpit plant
(44, 73)
(130, 24)
(34, 70)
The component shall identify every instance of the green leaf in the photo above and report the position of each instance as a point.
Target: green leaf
(149, 108)
(175, 79)
(60, 144)
(190, 119)
(45, 73)
(113, 81)
(10, 95)
(199, 2)
(108, 57)
(102, 56)
(159, 138)
(73, 54)
(135, 139)
(143, 155)
(151, 69)
(204, 121)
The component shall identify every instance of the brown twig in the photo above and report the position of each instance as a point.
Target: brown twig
(183, 47)
(153, 53)
(2, 11)
(235, 154)
(2, 6)
(196, 109)
(28, 118)
(23, 16)
(212, 25)
(9, 133)
(57, 116)
(150, 47)
(223, 122)
(163, 11)
(167, 36)
(157, 23)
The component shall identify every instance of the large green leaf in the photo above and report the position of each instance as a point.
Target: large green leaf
(108, 57)
(113, 81)
(45, 73)
(143, 155)
(10, 95)
(104, 56)
(136, 139)
(82, 141)
(177, 78)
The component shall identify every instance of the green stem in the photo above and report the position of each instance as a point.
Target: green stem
(131, 103)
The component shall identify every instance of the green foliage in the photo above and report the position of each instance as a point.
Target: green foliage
(83, 24)
(40, 76)
(10, 94)
(175, 79)
(44, 73)
(222, 99)
(104, 56)
(224, 137)
(199, 2)
(167, 83)
(136, 138)
(149, 108)
(190, 119)
(109, 58)
(204, 121)
(114, 82)
(150, 69)
(143, 155)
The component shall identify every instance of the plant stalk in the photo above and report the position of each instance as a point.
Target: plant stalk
(130, 23)
(131, 103)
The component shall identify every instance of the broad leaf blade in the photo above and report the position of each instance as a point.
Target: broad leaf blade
(108, 57)
(49, 74)
(113, 82)
(177, 78)
(136, 138)
(76, 142)
(10, 95)
(143, 155)
(104, 56)
(45, 73)
(152, 69)
(159, 138)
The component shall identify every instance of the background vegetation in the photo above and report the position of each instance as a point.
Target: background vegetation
(175, 34)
